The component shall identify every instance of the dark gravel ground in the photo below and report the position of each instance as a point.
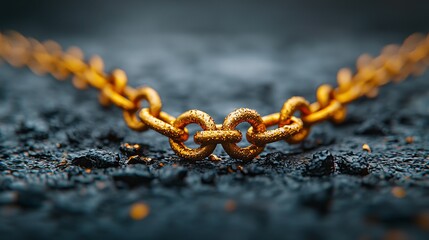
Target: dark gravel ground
(69, 169)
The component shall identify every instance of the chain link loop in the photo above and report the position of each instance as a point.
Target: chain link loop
(395, 63)
(284, 132)
(163, 127)
(289, 108)
(206, 123)
(231, 121)
(136, 95)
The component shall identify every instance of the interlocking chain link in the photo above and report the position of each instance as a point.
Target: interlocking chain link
(395, 63)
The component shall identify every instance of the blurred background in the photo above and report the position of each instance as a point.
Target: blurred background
(310, 17)
(252, 52)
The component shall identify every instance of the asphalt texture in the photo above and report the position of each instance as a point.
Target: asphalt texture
(71, 169)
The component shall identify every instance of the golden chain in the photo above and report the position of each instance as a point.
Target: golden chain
(394, 63)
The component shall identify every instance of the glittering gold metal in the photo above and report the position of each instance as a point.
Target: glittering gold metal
(231, 121)
(274, 135)
(136, 95)
(395, 63)
(206, 123)
(165, 128)
(217, 136)
(292, 105)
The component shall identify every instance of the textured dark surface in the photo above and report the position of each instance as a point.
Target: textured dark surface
(66, 171)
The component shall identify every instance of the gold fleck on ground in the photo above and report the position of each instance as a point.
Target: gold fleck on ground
(139, 211)
(409, 139)
(399, 192)
(366, 147)
(135, 159)
(230, 206)
(214, 158)
(132, 146)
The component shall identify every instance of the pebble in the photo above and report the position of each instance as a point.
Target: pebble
(95, 159)
(321, 165)
(275, 157)
(353, 164)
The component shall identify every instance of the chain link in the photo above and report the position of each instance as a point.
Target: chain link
(395, 63)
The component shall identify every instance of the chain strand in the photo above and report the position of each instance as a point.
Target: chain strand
(395, 63)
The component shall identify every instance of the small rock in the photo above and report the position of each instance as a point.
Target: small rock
(322, 164)
(95, 159)
(275, 157)
(173, 176)
(353, 165)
